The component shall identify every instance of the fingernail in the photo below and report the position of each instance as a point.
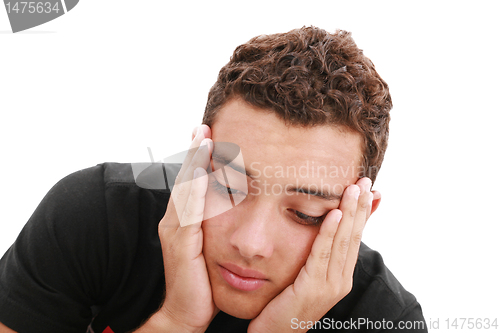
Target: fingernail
(200, 132)
(357, 191)
(197, 172)
(339, 217)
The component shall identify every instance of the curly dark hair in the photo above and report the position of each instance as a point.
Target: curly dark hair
(310, 77)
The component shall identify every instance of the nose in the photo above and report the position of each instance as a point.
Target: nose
(253, 235)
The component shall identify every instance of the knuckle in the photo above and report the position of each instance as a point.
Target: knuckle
(325, 255)
(343, 246)
(364, 204)
(356, 238)
(161, 228)
(181, 190)
(329, 235)
(342, 289)
(165, 229)
(189, 212)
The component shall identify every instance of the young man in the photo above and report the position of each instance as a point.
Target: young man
(267, 239)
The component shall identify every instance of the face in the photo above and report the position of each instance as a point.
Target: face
(294, 177)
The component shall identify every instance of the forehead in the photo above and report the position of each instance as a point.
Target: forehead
(267, 140)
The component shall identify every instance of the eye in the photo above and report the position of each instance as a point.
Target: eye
(223, 190)
(306, 219)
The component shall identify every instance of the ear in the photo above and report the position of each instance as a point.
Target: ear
(377, 197)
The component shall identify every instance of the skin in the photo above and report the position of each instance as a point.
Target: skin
(308, 268)
(263, 232)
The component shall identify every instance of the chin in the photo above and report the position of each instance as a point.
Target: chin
(237, 306)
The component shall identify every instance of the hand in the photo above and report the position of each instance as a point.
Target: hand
(327, 275)
(188, 304)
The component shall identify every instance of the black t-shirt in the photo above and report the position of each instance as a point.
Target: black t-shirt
(89, 260)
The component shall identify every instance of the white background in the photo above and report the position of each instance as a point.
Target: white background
(111, 78)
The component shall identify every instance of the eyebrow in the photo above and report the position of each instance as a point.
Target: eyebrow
(319, 194)
(225, 161)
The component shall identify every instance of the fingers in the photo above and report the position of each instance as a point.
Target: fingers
(207, 132)
(199, 134)
(193, 210)
(183, 193)
(342, 241)
(356, 208)
(190, 239)
(363, 212)
(335, 250)
(201, 159)
(319, 258)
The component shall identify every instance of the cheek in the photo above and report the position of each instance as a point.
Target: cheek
(300, 237)
(295, 248)
(211, 233)
(216, 233)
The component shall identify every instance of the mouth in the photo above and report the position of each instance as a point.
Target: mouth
(242, 278)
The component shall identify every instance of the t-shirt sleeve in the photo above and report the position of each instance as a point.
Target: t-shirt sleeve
(377, 302)
(53, 273)
(411, 320)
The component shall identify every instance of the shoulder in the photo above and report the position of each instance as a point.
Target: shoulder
(95, 182)
(89, 241)
(377, 297)
(145, 175)
(372, 275)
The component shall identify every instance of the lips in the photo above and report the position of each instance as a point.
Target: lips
(242, 278)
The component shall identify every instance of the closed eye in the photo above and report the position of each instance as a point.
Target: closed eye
(307, 219)
(224, 190)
